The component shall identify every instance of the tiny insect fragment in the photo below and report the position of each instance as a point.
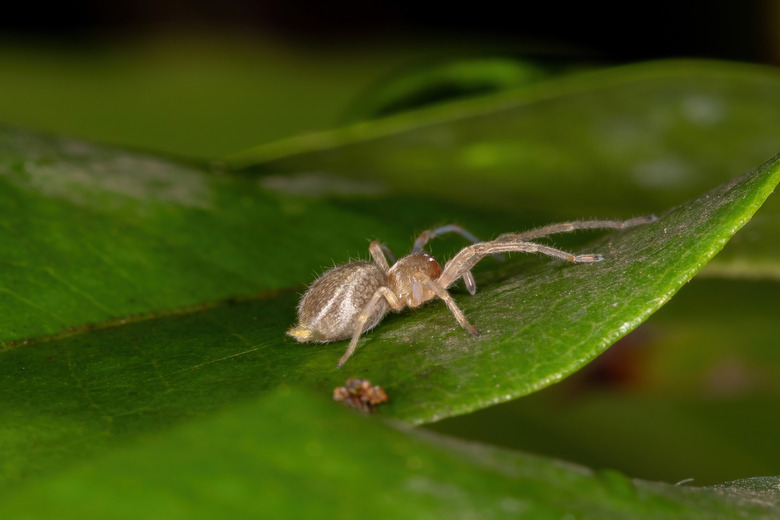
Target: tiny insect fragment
(360, 394)
(352, 298)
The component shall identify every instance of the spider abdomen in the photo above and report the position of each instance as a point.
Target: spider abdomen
(330, 308)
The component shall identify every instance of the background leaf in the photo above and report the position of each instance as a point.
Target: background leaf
(192, 93)
(314, 457)
(440, 83)
(635, 139)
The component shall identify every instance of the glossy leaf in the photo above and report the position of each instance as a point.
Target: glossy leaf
(95, 235)
(289, 455)
(706, 366)
(541, 321)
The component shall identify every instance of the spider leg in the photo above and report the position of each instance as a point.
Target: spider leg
(566, 227)
(442, 293)
(469, 256)
(382, 292)
(428, 234)
(378, 251)
(471, 284)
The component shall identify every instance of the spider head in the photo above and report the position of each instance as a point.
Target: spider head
(404, 278)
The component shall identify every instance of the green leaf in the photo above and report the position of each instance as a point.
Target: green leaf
(696, 124)
(541, 321)
(288, 455)
(633, 139)
(706, 366)
(765, 487)
(444, 82)
(95, 235)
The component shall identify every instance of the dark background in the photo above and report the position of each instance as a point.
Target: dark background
(636, 31)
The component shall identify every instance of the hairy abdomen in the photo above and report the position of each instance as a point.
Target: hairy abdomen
(330, 308)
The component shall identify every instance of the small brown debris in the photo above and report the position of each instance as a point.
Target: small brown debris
(359, 394)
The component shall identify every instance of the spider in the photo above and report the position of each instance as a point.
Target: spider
(352, 298)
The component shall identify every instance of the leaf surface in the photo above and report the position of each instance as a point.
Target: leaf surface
(541, 321)
(705, 366)
(291, 455)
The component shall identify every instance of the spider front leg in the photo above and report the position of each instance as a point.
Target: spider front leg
(378, 251)
(365, 314)
(428, 234)
(469, 256)
(568, 227)
(444, 295)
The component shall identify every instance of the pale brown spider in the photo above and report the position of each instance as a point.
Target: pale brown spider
(352, 298)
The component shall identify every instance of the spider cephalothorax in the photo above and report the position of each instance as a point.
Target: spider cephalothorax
(352, 298)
